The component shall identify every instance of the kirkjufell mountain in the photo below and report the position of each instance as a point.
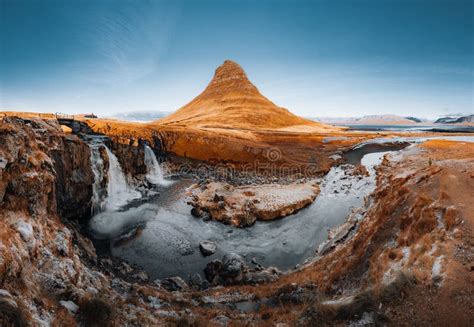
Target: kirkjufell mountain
(232, 101)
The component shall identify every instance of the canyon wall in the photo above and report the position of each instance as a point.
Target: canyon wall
(49, 272)
(41, 163)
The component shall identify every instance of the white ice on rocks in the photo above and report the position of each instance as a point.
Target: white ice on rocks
(395, 267)
(25, 229)
(70, 306)
(437, 266)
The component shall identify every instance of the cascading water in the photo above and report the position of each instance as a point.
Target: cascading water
(154, 172)
(98, 194)
(118, 192)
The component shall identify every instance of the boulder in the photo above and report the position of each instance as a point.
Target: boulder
(196, 212)
(228, 271)
(207, 247)
(195, 281)
(213, 270)
(174, 284)
(233, 264)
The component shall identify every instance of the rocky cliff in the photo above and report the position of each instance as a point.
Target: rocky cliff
(49, 272)
(41, 164)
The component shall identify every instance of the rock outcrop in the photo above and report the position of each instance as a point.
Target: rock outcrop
(36, 152)
(242, 205)
(74, 177)
(232, 270)
(49, 272)
(131, 157)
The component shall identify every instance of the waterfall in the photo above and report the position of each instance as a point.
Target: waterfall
(118, 193)
(154, 172)
(98, 194)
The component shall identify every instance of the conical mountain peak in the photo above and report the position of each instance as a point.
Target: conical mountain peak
(230, 77)
(230, 100)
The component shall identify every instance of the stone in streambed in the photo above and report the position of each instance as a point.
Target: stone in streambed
(212, 270)
(173, 284)
(233, 265)
(196, 212)
(207, 248)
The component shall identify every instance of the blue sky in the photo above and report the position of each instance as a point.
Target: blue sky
(316, 58)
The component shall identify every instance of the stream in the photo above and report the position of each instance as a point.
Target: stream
(158, 233)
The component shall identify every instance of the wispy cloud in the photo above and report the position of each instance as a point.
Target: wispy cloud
(128, 41)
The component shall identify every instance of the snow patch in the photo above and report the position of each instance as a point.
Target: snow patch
(395, 267)
(70, 306)
(437, 266)
(25, 229)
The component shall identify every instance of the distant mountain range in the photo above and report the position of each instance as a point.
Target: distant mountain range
(455, 120)
(140, 116)
(373, 120)
(148, 116)
(394, 120)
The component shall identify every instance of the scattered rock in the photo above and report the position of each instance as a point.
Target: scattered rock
(195, 280)
(174, 284)
(207, 247)
(125, 268)
(233, 265)
(197, 212)
(212, 270)
(141, 276)
(261, 275)
(221, 320)
(106, 262)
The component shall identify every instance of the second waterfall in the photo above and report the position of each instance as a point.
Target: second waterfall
(154, 171)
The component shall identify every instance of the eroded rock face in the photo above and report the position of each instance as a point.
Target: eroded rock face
(42, 162)
(131, 157)
(243, 205)
(48, 271)
(74, 178)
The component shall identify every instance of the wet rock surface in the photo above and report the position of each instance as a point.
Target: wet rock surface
(232, 269)
(207, 247)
